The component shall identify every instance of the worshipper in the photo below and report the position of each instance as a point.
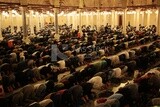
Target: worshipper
(87, 93)
(40, 90)
(46, 103)
(130, 94)
(8, 77)
(116, 73)
(77, 94)
(120, 98)
(97, 82)
(28, 93)
(17, 99)
(155, 102)
(49, 86)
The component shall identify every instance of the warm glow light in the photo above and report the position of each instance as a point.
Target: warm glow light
(37, 13)
(131, 12)
(119, 12)
(15, 13)
(44, 15)
(49, 13)
(107, 13)
(31, 11)
(156, 11)
(141, 12)
(41, 14)
(5, 13)
(27, 15)
(62, 13)
(149, 12)
(73, 13)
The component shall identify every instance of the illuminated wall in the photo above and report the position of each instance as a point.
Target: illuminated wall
(13, 18)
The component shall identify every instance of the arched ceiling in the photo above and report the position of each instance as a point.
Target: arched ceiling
(85, 3)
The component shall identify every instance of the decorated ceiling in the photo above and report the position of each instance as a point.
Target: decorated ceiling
(85, 4)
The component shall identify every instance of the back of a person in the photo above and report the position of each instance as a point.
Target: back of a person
(96, 81)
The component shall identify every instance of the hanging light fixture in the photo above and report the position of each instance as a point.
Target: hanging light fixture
(156, 11)
(131, 12)
(4, 13)
(149, 12)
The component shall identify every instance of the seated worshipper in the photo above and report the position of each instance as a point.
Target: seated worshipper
(97, 82)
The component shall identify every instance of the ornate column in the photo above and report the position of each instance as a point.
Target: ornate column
(105, 17)
(73, 21)
(56, 5)
(113, 18)
(1, 26)
(116, 19)
(87, 18)
(42, 20)
(148, 17)
(91, 19)
(37, 21)
(81, 4)
(31, 21)
(98, 20)
(158, 21)
(80, 22)
(142, 12)
(56, 36)
(24, 25)
(124, 21)
(11, 20)
(137, 18)
(68, 19)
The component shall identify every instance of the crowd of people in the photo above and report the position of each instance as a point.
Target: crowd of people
(119, 55)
